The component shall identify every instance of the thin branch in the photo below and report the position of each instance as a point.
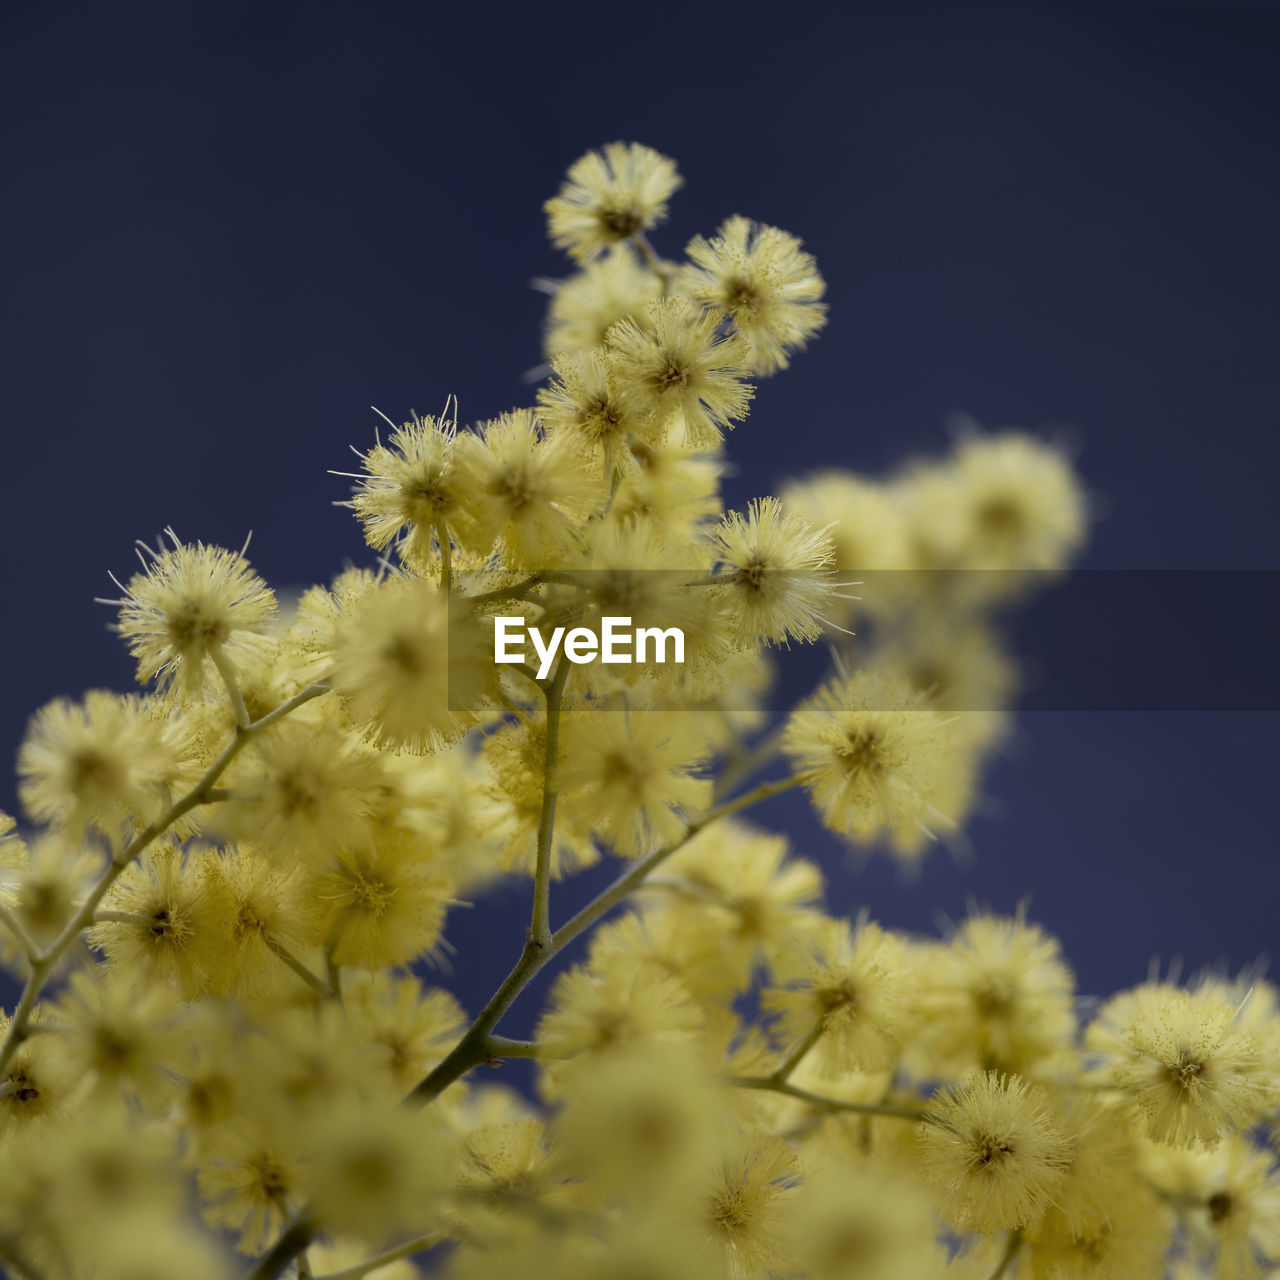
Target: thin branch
(635, 877)
(25, 940)
(317, 984)
(641, 241)
(505, 1047)
(1010, 1252)
(797, 1055)
(446, 551)
(44, 963)
(122, 917)
(901, 1111)
(18, 1262)
(406, 1250)
(296, 1237)
(540, 927)
(739, 770)
(513, 592)
(471, 1050)
(227, 670)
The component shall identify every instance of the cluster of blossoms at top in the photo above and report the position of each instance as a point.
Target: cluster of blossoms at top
(732, 1081)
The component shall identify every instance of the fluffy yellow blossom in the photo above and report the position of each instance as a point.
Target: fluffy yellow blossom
(670, 489)
(373, 1169)
(589, 303)
(39, 1081)
(661, 1112)
(527, 490)
(868, 530)
(842, 996)
(304, 791)
(119, 1036)
(509, 1172)
(53, 881)
(248, 1182)
(636, 774)
(412, 669)
(511, 802)
(992, 1150)
(193, 603)
(610, 196)
(102, 761)
(863, 1223)
(379, 903)
(779, 587)
(996, 995)
(873, 755)
(627, 1009)
(680, 371)
(1185, 1060)
(735, 900)
(250, 901)
(411, 486)
(739, 1206)
(586, 403)
(157, 921)
(1130, 1243)
(1005, 504)
(410, 1027)
(761, 279)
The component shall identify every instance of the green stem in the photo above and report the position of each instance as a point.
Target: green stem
(17, 1262)
(632, 879)
(504, 1047)
(901, 1111)
(739, 770)
(333, 975)
(473, 1048)
(641, 241)
(25, 940)
(540, 928)
(44, 963)
(513, 592)
(797, 1055)
(1010, 1252)
(446, 558)
(406, 1250)
(296, 1237)
(226, 669)
(122, 917)
(323, 989)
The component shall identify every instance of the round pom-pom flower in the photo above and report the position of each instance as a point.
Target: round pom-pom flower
(677, 366)
(991, 1147)
(411, 669)
(101, 761)
(872, 754)
(410, 484)
(778, 585)
(193, 602)
(1187, 1061)
(761, 278)
(609, 197)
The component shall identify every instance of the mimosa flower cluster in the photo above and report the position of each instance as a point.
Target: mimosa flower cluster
(235, 1051)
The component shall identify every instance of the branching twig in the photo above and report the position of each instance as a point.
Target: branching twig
(406, 1250)
(45, 962)
(471, 1050)
(901, 1111)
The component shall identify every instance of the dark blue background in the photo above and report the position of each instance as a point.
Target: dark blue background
(230, 228)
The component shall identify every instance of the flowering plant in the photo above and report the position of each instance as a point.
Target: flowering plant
(221, 1039)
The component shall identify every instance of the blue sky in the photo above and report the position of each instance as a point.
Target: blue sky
(231, 228)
